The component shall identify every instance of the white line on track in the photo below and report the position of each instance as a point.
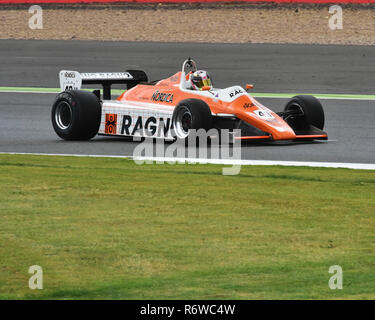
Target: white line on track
(362, 166)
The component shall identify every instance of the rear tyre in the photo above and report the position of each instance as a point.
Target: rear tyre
(76, 115)
(191, 114)
(309, 111)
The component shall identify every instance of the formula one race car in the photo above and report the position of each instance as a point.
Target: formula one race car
(171, 108)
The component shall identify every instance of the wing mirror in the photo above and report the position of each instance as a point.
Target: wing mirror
(249, 87)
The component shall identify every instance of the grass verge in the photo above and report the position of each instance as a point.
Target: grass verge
(107, 228)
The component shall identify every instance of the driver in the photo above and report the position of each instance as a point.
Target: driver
(200, 79)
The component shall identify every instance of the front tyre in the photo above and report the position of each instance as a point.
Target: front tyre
(76, 115)
(304, 111)
(191, 114)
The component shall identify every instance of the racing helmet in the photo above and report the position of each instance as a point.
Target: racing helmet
(200, 79)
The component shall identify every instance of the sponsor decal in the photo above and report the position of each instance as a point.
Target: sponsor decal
(146, 126)
(162, 97)
(70, 75)
(248, 105)
(106, 75)
(69, 80)
(110, 123)
(235, 93)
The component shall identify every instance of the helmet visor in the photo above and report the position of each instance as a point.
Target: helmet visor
(202, 83)
(207, 82)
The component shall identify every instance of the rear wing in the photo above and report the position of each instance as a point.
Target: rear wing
(73, 80)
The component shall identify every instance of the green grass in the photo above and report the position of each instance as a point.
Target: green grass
(107, 228)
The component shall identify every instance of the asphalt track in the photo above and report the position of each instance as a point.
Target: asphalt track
(25, 124)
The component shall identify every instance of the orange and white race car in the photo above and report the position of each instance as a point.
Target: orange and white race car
(173, 107)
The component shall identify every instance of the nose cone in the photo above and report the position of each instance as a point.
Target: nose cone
(251, 111)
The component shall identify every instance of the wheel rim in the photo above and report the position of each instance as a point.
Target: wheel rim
(63, 115)
(183, 122)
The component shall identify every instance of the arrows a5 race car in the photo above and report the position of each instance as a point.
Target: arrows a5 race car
(171, 108)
